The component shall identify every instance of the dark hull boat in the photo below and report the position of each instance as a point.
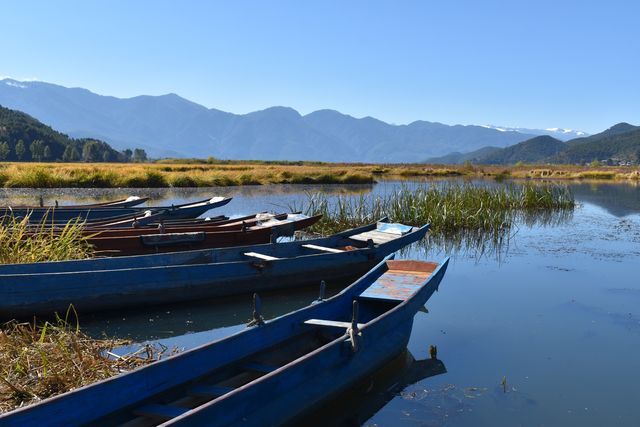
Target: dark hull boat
(62, 214)
(114, 283)
(264, 375)
(147, 243)
(126, 203)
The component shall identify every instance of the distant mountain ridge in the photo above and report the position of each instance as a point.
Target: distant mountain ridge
(169, 125)
(620, 144)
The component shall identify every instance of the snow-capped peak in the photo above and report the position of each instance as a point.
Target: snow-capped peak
(560, 133)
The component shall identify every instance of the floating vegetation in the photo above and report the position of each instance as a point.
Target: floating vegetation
(22, 242)
(40, 361)
(460, 215)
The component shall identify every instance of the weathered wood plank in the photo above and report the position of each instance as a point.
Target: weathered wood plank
(261, 256)
(330, 323)
(323, 248)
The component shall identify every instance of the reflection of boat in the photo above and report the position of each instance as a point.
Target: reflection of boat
(63, 214)
(355, 406)
(264, 375)
(114, 283)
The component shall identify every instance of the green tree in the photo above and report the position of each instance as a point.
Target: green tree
(127, 155)
(91, 152)
(37, 150)
(139, 155)
(5, 150)
(106, 156)
(70, 154)
(46, 153)
(595, 163)
(20, 149)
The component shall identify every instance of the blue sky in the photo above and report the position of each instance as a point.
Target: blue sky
(573, 64)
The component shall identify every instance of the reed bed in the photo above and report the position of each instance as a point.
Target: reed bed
(40, 361)
(22, 242)
(460, 215)
(193, 173)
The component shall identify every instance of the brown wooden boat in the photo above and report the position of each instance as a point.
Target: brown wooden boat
(173, 242)
(188, 227)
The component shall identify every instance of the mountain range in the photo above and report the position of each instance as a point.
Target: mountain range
(620, 144)
(170, 125)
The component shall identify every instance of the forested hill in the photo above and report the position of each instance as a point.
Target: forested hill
(23, 138)
(618, 145)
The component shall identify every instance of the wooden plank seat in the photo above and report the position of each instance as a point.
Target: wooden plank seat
(323, 249)
(378, 237)
(160, 412)
(330, 323)
(211, 391)
(261, 256)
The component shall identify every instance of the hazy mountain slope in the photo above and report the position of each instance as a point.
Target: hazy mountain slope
(16, 127)
(169, 125)
(530, 151)
(459, 158)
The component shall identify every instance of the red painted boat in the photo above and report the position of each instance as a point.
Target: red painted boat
(173, 242)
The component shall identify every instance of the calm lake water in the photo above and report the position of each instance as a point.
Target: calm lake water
(556, 314)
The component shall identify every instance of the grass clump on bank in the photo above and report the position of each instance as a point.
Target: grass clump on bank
(21, 242)
(457, 213)
(40, 361)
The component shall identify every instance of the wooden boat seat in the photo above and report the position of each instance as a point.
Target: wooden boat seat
(330, 323)
(261, 256)
(385, 232)
(211, 391)
(160, 412)
(323, 249)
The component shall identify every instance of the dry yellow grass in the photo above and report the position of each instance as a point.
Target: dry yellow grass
(174, 174)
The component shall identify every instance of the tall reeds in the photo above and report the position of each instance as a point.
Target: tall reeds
(22, 242)
(458, 214)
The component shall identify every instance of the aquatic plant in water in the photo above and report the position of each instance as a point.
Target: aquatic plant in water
(460, 215)
(22, 242)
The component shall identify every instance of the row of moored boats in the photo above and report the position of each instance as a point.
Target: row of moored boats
(270, 373)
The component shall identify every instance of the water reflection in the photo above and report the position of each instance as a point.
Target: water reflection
(620, 199)
(171, 320)
(361, 401)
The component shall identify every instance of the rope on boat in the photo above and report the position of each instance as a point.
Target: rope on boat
(258, 320)
(353, 331)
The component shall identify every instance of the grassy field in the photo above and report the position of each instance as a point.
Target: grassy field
(191, 173)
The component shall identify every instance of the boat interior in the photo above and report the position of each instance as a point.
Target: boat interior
(314, 327)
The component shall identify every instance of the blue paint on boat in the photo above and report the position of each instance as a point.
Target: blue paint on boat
(212, 386)
(114, 283)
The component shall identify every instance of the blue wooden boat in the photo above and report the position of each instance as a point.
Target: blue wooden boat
(263, 375)
(113, 283)
(63, 214)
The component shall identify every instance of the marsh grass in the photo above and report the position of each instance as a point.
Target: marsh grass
(21, 242)
(38, 361)
(460, 215)
(195, 173)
